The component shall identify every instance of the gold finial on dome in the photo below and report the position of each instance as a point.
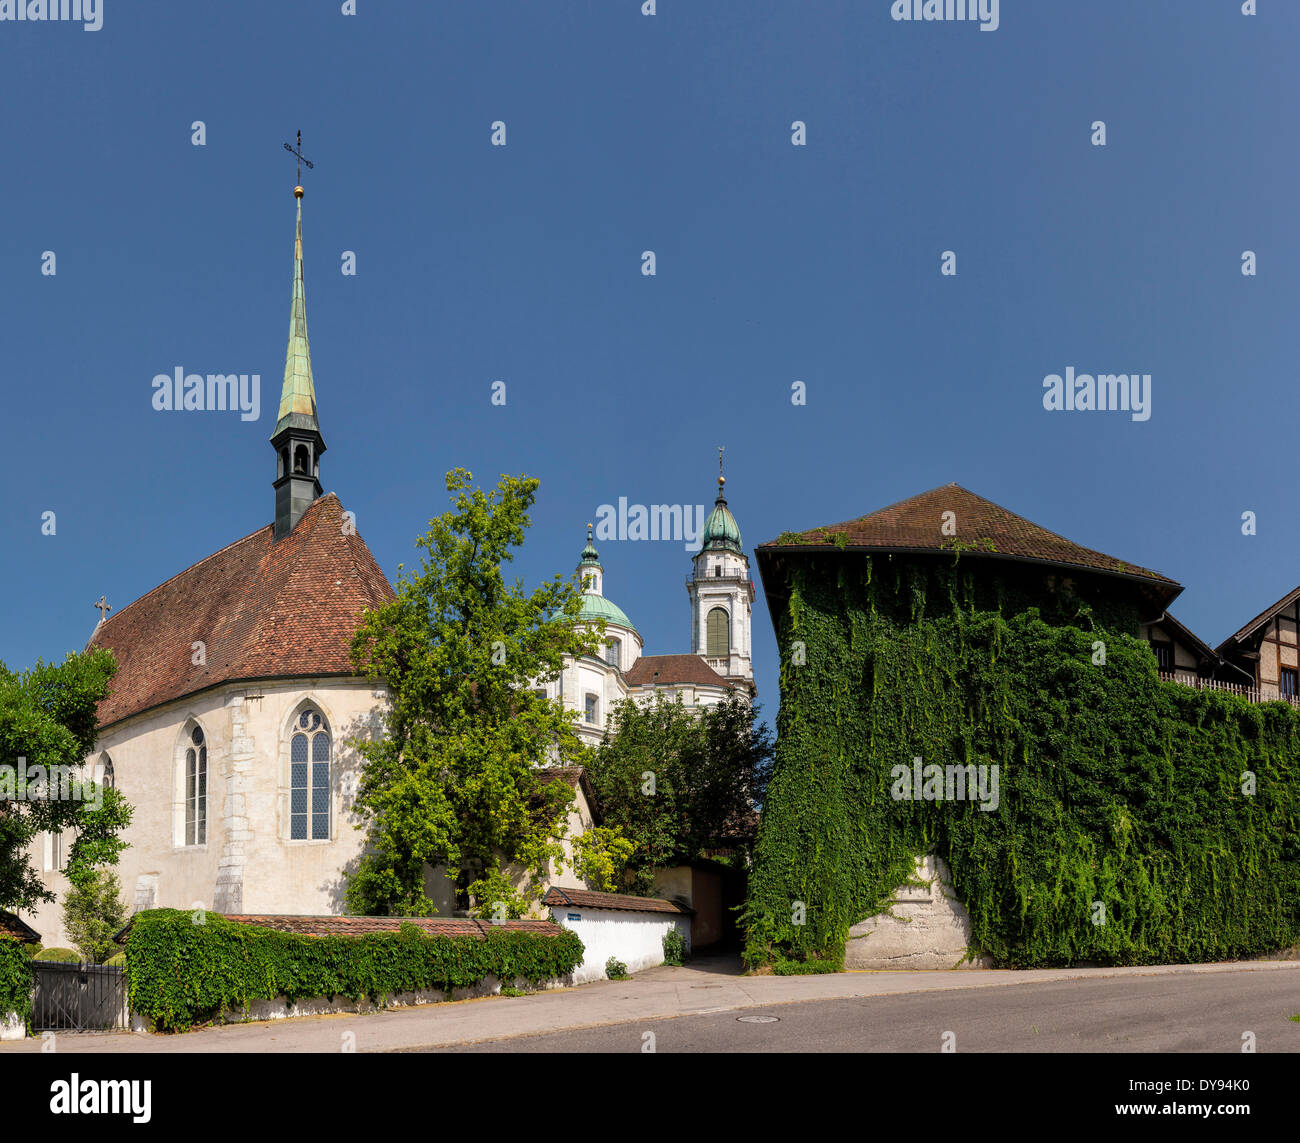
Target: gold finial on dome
(298, 192)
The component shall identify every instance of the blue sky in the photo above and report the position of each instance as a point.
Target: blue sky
(775, 264)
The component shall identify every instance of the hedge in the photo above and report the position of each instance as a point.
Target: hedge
(181, 973)
(1116, 789)
(60, 956)
(15, 980)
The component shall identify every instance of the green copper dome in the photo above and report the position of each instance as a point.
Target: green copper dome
(598, 607)
(721, 532)
(594, 605)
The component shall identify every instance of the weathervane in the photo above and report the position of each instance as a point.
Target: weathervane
(299, 156)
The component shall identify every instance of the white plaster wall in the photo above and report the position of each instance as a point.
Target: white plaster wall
(637, 939)
(12, 1028)
(249, 864)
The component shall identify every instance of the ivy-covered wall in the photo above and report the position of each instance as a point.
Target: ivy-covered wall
(1122, 834)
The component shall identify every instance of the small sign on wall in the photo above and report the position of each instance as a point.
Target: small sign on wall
(575, 916)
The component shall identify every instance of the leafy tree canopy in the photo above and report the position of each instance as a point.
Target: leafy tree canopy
(455, 780)
(680, 782)
(47, 728)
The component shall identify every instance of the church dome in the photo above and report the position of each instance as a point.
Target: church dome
(721, 532)
(598, 607)
(594, 605)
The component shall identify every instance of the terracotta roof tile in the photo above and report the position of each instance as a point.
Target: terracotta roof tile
(587, 899)
(262, 610)
(982, 529)
(330, 926)
(359, 926)
(662, 670)
(18, 929)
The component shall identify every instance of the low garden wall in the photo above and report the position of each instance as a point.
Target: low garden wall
(629, 929)
(187, 968)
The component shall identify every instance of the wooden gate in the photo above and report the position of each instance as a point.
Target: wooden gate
(78, 997)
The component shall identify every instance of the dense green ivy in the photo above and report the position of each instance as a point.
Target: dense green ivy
(186, 968)
(1115, 787)
(15, 980)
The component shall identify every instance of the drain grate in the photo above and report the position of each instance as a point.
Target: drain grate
(758, 1019)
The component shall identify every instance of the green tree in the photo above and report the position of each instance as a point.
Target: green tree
(455, 779)
(48, 726)
(678, 782)
(92, 912)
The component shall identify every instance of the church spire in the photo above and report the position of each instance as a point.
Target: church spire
(298, 393)
(297, 438)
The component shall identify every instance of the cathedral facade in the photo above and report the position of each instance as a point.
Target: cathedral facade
(720, 657)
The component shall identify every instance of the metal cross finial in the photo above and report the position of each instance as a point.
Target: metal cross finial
(298, 155)
(103, 606)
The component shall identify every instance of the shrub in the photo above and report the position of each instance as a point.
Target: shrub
(15, 980)
(674, 947)
(181, 972)
(92, 912)
(117, 960)
(615, 969)
(59, 956)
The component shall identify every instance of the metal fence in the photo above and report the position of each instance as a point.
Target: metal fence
(78, 997)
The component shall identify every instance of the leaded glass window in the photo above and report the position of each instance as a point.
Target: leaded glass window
(309, 778)
(196, 790)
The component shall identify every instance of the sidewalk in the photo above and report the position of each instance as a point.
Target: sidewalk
(709, 985)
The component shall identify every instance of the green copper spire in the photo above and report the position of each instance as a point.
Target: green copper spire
(297, 440)
(720, 528)
(298, 395)
(589, 554)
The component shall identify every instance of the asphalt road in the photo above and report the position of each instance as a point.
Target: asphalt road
(1130, 1014)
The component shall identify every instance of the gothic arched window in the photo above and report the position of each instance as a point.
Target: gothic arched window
(309, 778)
(196, 790)
(718, 628)
(107, 776)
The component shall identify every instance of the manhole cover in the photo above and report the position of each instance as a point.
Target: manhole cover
(758, 1019)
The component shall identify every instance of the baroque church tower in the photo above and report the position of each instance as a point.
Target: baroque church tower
(722, 595)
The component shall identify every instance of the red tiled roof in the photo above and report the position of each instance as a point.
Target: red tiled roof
(358, 926)
(263, 610)
(19, 930)
(578, 779)
(665, 669)
(328, 926)
(982, 529)
(586, 899)
(1259, 620)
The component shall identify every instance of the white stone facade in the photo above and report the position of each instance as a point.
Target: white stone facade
(248, 863)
